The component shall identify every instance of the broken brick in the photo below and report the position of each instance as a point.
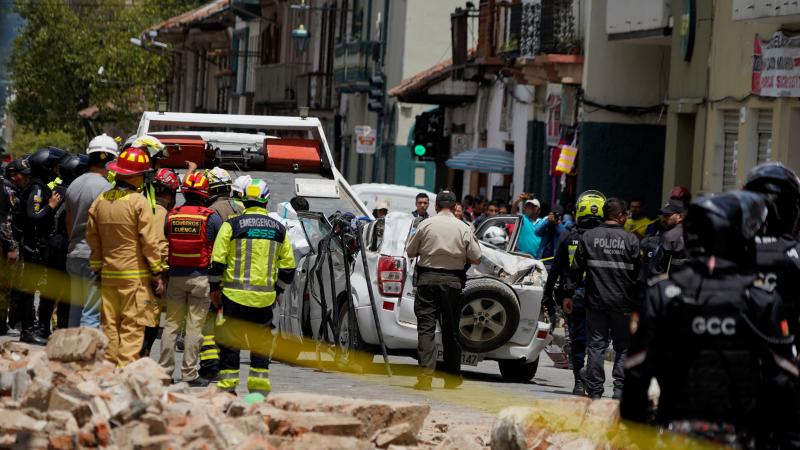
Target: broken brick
(76, 344)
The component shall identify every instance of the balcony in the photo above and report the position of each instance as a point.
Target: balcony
(640, 21)
(353, 65)
(314, 91)
(277, 84)
(767, 11)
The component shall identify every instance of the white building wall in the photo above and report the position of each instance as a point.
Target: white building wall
(521, 113)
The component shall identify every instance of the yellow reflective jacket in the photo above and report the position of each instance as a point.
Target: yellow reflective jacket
(124, 235)
(252, 259)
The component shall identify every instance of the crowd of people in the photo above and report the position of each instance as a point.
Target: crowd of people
(214, 264)
(702, 299)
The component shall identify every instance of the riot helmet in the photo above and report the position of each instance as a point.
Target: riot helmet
(72, 166)
(44, 161)
(725, 226)
(781, 186)
(495, 235)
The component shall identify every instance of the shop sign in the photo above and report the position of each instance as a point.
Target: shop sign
(776, 66)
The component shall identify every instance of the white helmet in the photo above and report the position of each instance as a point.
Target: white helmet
(149, 143)
(103, 143)
(240, 184)
(495, 236)
(218, 178)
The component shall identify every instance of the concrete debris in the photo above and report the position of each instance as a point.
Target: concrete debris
(77, 344)
(577, 423)
(66, 397)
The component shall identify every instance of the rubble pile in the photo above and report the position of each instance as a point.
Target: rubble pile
(67, 397)
(577, 424)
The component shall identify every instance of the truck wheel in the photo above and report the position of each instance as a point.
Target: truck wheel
(355, 356)
(489, 315)
(517, 370)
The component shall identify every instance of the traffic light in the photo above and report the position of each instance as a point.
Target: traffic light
(428, 132)
(377, 93)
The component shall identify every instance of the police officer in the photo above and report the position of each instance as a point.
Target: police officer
(252, 263)
(588, 216)
(445, 247)
(714, 336)
(37, 213)
(608, 256)
(126, 253)
(665, 251)
(16, 176)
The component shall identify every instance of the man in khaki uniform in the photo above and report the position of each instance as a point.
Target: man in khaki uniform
(125, 240)
(445, 247)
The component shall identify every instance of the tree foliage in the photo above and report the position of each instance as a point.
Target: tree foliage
(56, 59)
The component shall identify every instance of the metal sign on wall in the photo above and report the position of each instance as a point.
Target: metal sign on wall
(776, 66)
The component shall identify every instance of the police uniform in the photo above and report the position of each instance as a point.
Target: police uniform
(252, 262)
(444, 245)
(9, 241)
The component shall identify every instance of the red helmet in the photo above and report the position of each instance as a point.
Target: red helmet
(196, 183)
(167, 179)
(132, 161)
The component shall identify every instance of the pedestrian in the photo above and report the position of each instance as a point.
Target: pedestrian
(15, 177)
(191, 230)
(665, 251)
(421, 203)
(467, 205)
(458, 212)
(490, 211)
(300, 203)
(125, 241)
(445, 247)
(638, 221)
(69, 311)
(503, 209)
(528, 242)
(381, 210)
(714, 337)
(84, 289)
(478, 204)
(165, 186)
(589, 216)
(252, 264)
(549, 232)
(37, 213)
(608, 256)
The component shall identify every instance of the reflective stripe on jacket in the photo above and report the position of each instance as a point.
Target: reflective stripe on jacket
(252, 258)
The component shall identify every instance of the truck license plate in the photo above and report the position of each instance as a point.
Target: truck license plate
(467, 358)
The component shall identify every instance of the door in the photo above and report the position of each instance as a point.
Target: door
(730, 144)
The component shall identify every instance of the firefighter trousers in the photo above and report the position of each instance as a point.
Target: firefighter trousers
(126, 309)
(245, 328)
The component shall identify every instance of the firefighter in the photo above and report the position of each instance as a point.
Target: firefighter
(124, 237)
(191, 230)
(252, 263)
(36, 222)
(226, 202)
(165, 186)
(589, 215)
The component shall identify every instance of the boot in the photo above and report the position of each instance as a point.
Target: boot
(580, 385)
(28, 333)
(45, 316)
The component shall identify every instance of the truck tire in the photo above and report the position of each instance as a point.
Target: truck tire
(489, 315)
(517, 370)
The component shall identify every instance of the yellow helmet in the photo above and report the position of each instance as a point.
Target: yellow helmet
(590, 206)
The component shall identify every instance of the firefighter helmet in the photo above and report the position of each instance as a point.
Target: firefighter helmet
(103, 143)
(167, 179)
(239, 185)
(219, 179)
(196, 183)
(132, 161)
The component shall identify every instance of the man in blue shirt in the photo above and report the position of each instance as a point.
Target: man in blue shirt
(550, 230)
(528, 241)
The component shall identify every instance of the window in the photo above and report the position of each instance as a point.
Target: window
(730, 148)
(271, 44)
(764, 135)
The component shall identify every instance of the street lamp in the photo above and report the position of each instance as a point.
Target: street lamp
(301, 34)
